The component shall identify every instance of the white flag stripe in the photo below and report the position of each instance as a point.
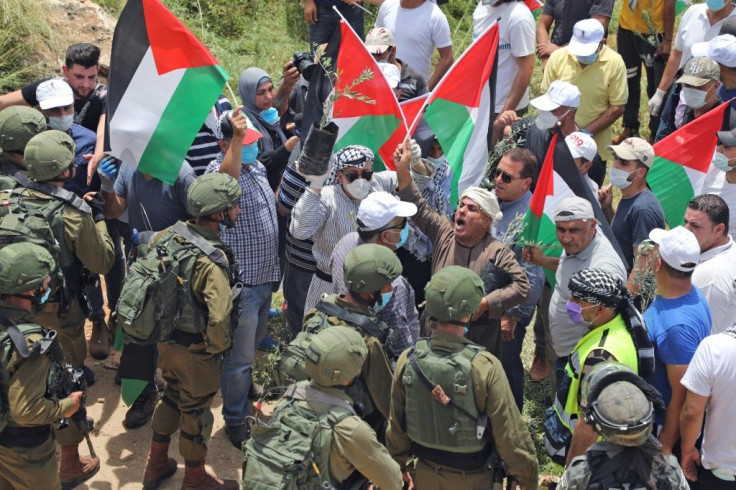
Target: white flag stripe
(475, 157)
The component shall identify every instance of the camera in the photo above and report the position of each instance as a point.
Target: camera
(304, 62)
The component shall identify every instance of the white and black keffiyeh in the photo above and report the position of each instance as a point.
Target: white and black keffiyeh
(598, 287)
(353, 156)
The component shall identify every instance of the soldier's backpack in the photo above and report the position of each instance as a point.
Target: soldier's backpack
(619, 471)
(156, 295)
(292, 451)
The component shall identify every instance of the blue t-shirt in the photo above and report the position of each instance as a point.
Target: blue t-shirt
(676, 327)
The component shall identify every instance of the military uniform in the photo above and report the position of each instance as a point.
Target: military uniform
(18, 124)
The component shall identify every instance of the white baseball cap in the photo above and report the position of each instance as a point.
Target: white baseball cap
(558, 94)
(587, 34)
(379, 208)
(721, 48)
(574, 208)
(678, 247)
(581, 145)
(392, 74)
(54, 93)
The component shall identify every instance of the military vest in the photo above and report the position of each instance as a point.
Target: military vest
(601, 473)
(429, 422)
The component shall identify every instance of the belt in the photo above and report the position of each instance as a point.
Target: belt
(186, 338)
(25, 436)
(441, 467)
(323, 275)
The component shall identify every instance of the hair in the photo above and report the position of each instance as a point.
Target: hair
(367, 235)
(675, 273)
(526, 158)
(714, 206)
(85, 54)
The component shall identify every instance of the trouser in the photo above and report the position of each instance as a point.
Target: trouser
(542, 343)
(707, 480)
(486, 333)
(511, 361)
(296, 286)
(113, 279)
(328, 20)
(70, 330)
(430, 475)
(192, 379)
(635, 49)
(29, 468)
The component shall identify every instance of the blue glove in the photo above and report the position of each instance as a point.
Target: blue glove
(136, 236)
(108, 171)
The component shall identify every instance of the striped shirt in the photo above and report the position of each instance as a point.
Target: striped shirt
(255, 237)
(400, 314)
(204, 147)
(298, 252)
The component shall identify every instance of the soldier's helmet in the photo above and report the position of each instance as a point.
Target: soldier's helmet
(617, 408)
(335, 355)
(369, 267)
(18, 124)
(452, 293)
(24, 267)
(210, 193)
(48, 154)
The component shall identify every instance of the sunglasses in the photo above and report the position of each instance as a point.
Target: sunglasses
(366, 174)
(506, 178)
(400, 226)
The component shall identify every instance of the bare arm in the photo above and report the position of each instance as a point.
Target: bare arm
(582, 439)
(231, 163)
(603, 20)
(521, 81)
(290, 77)
(606, 119)
(671, 427)
(691, 420)
(114, 205)
(673, 64)
(544, 46)
(669, 28)
(99, 154)
(11, 99)
(443, 65)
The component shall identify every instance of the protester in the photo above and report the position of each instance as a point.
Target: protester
(584, 151)
(720, 179)
(380, 42)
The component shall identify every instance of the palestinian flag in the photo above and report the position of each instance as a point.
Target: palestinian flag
(162, 85)
(460, 111)
(681, 6)
(371, 116)
(558, 179)
(536, 7)
(681, 161)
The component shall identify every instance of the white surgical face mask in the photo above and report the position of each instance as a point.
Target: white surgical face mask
(62, 123)
(721, 162)
(546, 120)
(693, 97)
(619, 178)
(359, 188)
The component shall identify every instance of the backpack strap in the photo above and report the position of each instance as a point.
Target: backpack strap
(16, 336)
(309, 394)
(343, 313)
(213, 253)
(58, 192)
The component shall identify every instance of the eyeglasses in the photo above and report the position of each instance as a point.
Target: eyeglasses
(400, 226)
(506, 177)
(366, 174)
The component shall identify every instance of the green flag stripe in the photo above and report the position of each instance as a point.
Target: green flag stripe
(183, 116)
(370, 131)
(671, 184)
(544, 230)
(130, 389)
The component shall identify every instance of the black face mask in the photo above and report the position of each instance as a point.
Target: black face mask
(226, 220)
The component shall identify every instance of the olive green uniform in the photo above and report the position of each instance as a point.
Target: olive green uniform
(492, 396)
(8, 167)
(191, 362)
(33, 467)
(376, 371)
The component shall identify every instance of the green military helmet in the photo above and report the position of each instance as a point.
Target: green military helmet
(335, 355)
(210, 193)
(48, 154)
(18, 124)
(369, 267)
(452, 293)
(24, 267)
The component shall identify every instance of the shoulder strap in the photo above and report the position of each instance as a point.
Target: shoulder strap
(213, 253)
(16, 336)
(309, 394)
(58, 192)
(362, 321)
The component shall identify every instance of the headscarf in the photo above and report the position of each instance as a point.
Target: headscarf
(248, 84)
(598, 287)
(353, 156)
(485, 200)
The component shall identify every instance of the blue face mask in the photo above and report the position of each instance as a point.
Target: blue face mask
(250, 152)
(404, 236)
(715, 5)
(270, 115)
(385, 298)
(222, 226)
(588, 60)
(43, 299)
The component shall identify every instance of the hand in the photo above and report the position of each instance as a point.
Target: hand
(690, 462)
(481, 309)
(605, 196)
(290, 73)
(108, 171)
(77, 397)
(96, 201)
(664, 48)
(506, 118)
(402, 155)
(533, 255)
(310, 12)
(93, 161)
(508, 326)
(546, 49)
(291, 143)
(416, 152)
(655, 103)
(239, 123)
(315, 181)
(406, 476)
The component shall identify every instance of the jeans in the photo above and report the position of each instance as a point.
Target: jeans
(328, 21)
(296, 286)
(237, 366)
(511, 361)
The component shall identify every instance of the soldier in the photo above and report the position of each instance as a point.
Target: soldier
(368, 272)
(18, 125)
(620, 408)
(190, 359)
(27, 452)
(451, 404)
(80, 231)
(349, 452)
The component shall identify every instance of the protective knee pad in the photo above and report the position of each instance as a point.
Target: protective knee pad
(165, 417)
(196, 429)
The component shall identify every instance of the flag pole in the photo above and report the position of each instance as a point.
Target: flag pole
(232, 94)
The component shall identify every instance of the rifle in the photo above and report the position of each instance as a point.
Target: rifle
(68, 381)
(498, 467)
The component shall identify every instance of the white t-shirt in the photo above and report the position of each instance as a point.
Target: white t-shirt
(695, 28)
(712, 373)
(516, 38)
(419, 31)
(716, 183)
(715, 276)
